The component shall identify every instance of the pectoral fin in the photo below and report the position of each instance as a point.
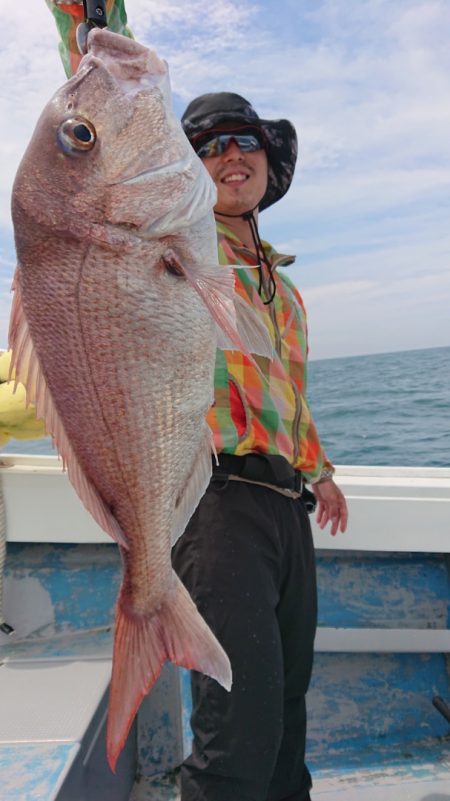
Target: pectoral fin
(239, 327)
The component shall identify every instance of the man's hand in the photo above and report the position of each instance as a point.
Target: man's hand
(332, 506)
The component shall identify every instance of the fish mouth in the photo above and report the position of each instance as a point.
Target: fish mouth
(130, 64)
(80, 76)
(192, 206)
(180, 166)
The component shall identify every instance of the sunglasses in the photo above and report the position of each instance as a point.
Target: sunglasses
(214, 143)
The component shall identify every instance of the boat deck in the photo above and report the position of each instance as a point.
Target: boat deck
(382, 653)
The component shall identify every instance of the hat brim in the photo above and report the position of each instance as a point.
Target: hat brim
(281, 148)
(282, 157)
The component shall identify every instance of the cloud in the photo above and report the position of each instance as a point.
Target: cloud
(30, 71)
(332, 292)
(366, 83)
(396, 314)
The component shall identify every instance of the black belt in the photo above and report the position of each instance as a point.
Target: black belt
(274, 472)
(260, 467)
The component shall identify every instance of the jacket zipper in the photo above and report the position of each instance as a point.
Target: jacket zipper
(272, 312)
(285, 260)
(296, 423)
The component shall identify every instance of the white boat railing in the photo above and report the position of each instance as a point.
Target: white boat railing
(391, 508)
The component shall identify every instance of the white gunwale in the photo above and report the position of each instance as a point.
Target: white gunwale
(404, 509)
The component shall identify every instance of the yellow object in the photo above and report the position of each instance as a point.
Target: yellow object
(16, 418)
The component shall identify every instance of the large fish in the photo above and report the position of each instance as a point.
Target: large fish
(118, 300)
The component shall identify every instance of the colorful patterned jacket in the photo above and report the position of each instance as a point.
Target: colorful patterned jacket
(265, 410)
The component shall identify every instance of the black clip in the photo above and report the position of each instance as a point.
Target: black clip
(5, 628)
(441, 707)
(94, 17)
(95, 13)
(310, 500)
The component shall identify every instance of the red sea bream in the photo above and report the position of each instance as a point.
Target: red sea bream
(118, 307)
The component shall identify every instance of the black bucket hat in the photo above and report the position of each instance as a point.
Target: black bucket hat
(215, 108)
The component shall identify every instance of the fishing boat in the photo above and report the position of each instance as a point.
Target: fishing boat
(379, 700)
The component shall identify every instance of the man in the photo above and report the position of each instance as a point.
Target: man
(247, 555)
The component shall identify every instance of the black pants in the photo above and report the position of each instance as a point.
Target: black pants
(247, 559)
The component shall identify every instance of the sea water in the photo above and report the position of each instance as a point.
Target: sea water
(385, 409)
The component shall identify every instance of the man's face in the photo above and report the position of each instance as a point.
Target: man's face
(240, 178)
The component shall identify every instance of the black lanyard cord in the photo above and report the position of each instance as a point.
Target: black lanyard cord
(259, 247)
(248, 216)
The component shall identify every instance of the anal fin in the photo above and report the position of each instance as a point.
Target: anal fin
(196, 485)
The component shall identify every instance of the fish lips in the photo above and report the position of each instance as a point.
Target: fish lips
(197, 195)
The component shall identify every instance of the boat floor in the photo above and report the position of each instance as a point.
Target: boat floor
(351, 787)
(163, 787)
(416, 772)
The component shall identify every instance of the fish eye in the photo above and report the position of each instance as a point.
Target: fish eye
(76, 135)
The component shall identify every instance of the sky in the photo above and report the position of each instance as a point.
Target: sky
(367, 85)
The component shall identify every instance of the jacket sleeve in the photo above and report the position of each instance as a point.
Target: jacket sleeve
(69, 15)
(313, 457)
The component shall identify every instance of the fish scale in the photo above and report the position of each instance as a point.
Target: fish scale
(119, 304)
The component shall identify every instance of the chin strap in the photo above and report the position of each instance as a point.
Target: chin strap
(249, 217)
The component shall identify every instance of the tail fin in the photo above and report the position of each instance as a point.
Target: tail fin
(177, 632)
